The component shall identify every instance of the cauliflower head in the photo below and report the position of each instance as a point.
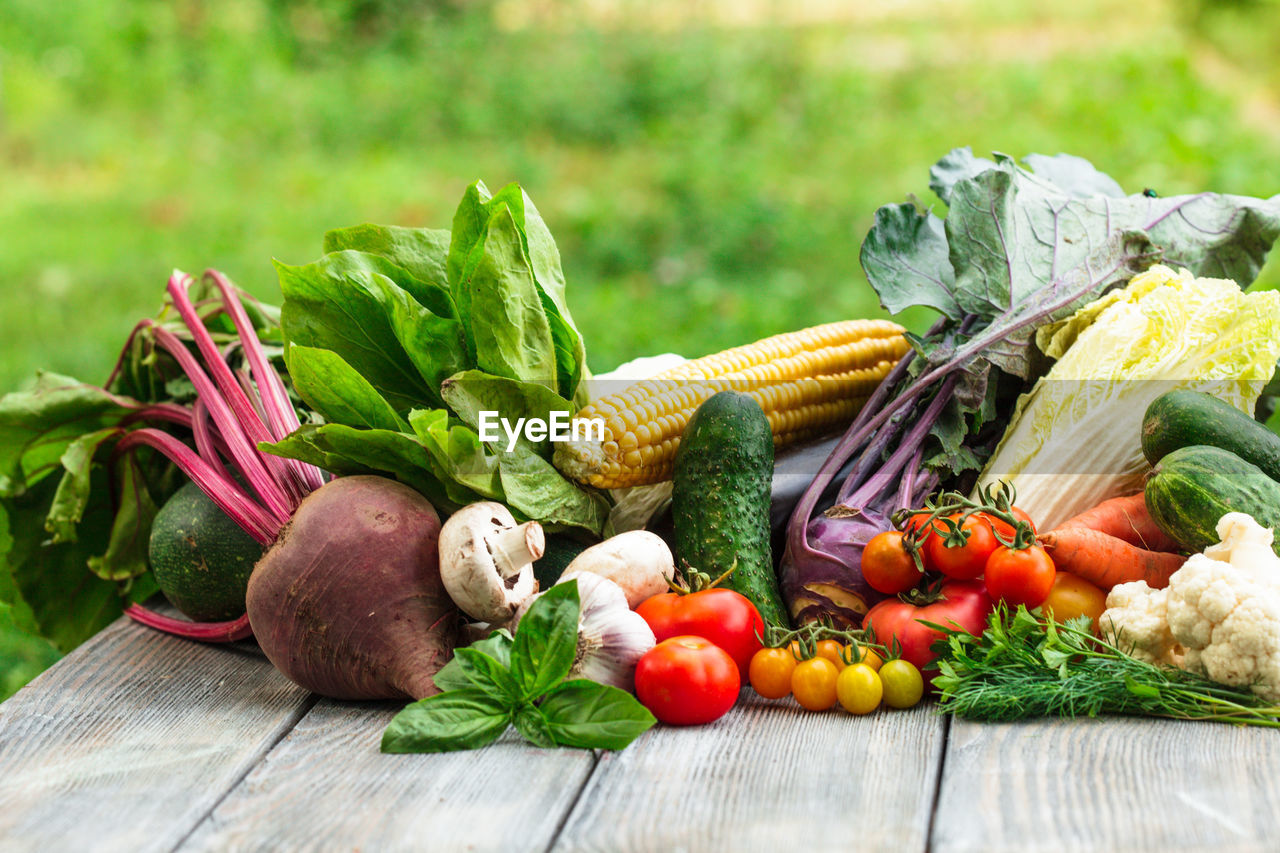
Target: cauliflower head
(1223, 607)
(1136, 619)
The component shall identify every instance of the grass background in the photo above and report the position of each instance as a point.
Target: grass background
(708, 168)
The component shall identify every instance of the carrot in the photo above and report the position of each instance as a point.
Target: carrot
(1125, 518)
(1107, 560)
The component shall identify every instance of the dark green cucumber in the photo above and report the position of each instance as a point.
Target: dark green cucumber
(556, 557)
(723, 474)
(1183, 418)
(1193, 487)
(201, 558)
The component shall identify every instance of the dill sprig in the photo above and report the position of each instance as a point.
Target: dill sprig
(1026, 666)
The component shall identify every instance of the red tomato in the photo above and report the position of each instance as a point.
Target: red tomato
(886, 565)
(964, 562)
(961, 604)
(724, 617)
(1024, 576)
(687, 681)
(1005, 529)
(916, 521)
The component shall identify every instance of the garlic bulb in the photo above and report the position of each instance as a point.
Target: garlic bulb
(611, 636)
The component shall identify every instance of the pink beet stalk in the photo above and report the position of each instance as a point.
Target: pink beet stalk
(229, 420)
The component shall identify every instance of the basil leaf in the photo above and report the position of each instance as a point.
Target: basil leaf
(456, 674)
(458, 719)
(532, 725)
(546, 640)
(589, 715)
(487, 673)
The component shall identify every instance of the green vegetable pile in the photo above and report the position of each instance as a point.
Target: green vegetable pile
(398, 338)
(1024, 666)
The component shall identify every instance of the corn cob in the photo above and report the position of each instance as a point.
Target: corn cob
(807, 382)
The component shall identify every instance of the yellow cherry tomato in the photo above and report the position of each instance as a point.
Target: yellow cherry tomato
(859, 689)
(831, 650)
(770, 672)
(903, 683)
(869, 656)
(1073, 596)
(814, 684)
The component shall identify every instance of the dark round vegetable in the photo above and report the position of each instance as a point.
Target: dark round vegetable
(201, 558)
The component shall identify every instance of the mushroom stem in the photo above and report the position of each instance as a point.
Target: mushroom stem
(516, 547)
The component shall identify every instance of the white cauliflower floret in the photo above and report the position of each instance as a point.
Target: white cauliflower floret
(1137, 620)
(1223, 608)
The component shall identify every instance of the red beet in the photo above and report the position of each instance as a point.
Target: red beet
(348, 602)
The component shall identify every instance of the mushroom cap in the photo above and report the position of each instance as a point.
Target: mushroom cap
(486, 560)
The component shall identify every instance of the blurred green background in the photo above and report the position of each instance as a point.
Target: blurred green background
(708, 168)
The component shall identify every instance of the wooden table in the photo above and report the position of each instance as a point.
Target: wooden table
(139, 741)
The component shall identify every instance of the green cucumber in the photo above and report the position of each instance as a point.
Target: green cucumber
(200, 557)
(556, 556)
(722, 480)
(1193, 487)
(1183, 418)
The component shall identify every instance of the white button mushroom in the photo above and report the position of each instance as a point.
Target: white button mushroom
(486, 561)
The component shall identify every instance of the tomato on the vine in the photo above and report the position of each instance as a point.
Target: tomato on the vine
(1005, 529)
(1020, 576)
(964, 562)
(887, 566)
(770, 672)
(725, 617)
(686, 681)
(958, 604)
(859, 689)
(814, 684)
(832, 650)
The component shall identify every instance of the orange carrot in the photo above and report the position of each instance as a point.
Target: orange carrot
(1125, 518)
(1107, 560)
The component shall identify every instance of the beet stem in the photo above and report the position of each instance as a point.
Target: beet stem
(209, 632)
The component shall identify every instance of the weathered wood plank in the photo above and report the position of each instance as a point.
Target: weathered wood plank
(768, 776)
(129, 741)
(1114, 784)
(327, 787)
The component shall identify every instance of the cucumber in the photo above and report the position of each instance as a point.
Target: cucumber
(556, 556)
(1183, 418)
(1193, 487)
(722, 478)
(200, 557)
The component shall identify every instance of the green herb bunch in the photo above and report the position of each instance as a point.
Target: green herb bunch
(504, 680)
(1027, 666)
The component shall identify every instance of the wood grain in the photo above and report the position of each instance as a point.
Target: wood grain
(1114, 784)
(768, 776)
(327, 787)
(129, 741)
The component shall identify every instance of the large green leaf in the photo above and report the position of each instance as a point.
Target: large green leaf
(473, 392)
(372, 313)
(420, 251)
(338, 392)
(38, 426)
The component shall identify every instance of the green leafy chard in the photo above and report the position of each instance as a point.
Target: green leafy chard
(520, 681)
(400, 337)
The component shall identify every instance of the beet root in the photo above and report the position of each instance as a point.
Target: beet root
(348, 602)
